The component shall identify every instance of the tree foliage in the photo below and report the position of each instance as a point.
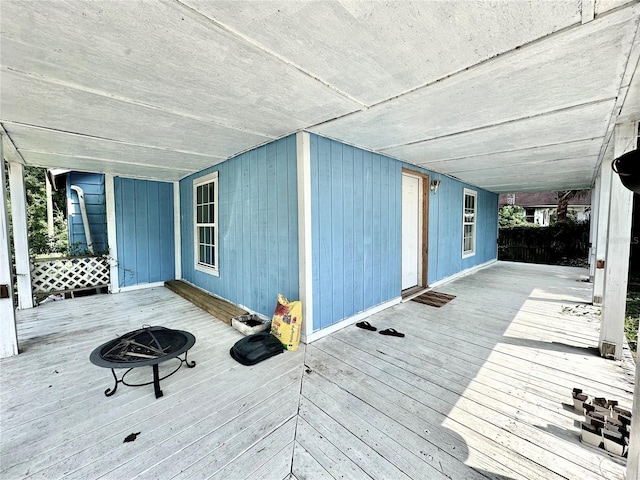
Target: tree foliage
(511, 216)
(564, 198)
(39, 240)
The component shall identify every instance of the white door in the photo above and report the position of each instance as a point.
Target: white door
(411, 239)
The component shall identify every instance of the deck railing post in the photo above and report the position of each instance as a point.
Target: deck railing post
(8, 332)
(20, 234)
(616, 264)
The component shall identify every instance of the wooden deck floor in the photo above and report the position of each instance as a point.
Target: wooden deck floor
(479, 388)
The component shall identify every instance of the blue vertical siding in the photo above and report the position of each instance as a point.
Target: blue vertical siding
(355, 230)
(92, 185)
(144, 231)
(445, 229)
(356, 206)
(258, 227)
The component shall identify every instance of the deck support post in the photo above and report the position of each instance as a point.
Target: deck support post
(593, 228)
(602, 220)
(303, 152)
(8, 330)
(618, 250)
(633, 463)
(112, 235)
(20, 234)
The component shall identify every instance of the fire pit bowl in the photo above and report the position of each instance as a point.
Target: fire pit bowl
(140, 348)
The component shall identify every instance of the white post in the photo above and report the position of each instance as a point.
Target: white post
(604, 195)
(633, 463)
(303, 151)
(8, 331)
(20, 234)
(112, 238)
(618, 249)
(177, 233)
(593, 228)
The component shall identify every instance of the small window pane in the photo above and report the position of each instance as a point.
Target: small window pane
(199, 195)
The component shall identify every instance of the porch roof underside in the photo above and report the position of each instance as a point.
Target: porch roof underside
(478, 389)
(509, 96)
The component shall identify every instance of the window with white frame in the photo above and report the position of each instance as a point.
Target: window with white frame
(205, 212)
(469, 223)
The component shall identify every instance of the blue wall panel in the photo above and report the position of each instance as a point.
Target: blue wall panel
(92, 185)
(144, 231)
(258, 227)
(445, 228)
(355, 230)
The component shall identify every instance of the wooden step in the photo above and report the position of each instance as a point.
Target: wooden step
(221, 309)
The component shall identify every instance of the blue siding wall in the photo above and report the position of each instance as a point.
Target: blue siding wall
(144, 230)
(356, 201)
(92, 185)
(258, 227)
(445, 228)
(356, 228)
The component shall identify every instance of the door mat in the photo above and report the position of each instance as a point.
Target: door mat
(434, 299)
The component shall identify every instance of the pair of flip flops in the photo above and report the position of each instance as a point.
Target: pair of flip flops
(389, 331)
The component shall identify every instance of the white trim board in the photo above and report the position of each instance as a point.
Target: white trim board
(305, 247)
(141, 286)
(112, 232)
(317, 335)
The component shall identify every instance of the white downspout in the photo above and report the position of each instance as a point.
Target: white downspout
(85, 219)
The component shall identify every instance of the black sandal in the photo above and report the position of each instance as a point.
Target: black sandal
(366, 326)
(392, 332)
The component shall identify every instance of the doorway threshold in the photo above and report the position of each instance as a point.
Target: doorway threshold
(412, 292)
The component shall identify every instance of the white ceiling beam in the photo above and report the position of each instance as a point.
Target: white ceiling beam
(588, 10)
(9, 150)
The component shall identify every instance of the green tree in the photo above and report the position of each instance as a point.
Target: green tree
(564, 197)
(39, 240)
(511, 216)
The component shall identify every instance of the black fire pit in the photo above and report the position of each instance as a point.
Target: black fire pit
(140, 348)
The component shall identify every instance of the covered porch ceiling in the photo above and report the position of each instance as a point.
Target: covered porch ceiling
(510, 96)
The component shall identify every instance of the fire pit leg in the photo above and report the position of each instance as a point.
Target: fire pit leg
(108, 392)
(156, 381)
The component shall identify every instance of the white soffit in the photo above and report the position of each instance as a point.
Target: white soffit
(576, 124)
(516, 158)
(485, 91)
(570, 69)
(162, 55)
(84, 153)
(373, 51)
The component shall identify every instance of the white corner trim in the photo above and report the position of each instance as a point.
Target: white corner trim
(177, 234)
(305, 257)
(462, 273)
(141, 286)
(112, 234)
(349, 321)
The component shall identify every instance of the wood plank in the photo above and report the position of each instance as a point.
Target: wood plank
(479, 386)
(306, 467)
(408, 451)
(217, 307)
(253, 459)
(330, 457)
(423, 419)
(368, 459)
(278, 468)
(476, 398)
(443, 400)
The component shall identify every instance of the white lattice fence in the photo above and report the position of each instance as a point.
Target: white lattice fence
(66, 274)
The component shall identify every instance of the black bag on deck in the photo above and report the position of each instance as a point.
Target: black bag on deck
(255, 348)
